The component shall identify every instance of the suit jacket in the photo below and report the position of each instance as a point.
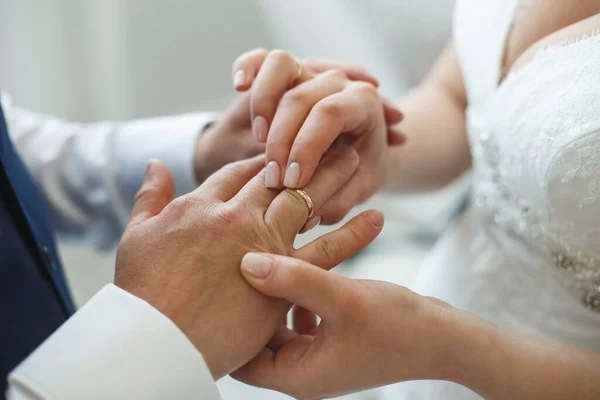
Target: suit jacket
(34, 297)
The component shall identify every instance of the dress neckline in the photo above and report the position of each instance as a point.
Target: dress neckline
(516, 12)
(542, 53)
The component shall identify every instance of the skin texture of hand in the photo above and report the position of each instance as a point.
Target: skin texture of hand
(182, 256)
(231, 138)
(371, 334)
(303, 114)
(226, 141)
(375, 333)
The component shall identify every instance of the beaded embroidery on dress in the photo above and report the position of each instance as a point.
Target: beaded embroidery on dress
(526, 254)
(538, 161)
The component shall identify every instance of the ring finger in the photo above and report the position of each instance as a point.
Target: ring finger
(289, 211)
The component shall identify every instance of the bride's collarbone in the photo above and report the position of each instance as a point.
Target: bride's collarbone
(544, 24)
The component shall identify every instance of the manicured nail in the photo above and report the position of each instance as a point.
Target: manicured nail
(273, 175)
(311, 223)
(292, 175)
(257, 265)
(376, 218)
(239, 78)
(260, 129)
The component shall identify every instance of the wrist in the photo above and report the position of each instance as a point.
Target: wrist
(484, 354)
(468, 349)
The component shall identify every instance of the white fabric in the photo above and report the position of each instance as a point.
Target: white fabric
(526, 254)
(116, 346)
(89, 173)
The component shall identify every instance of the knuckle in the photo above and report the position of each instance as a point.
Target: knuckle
(280, 56)
(183, 205)
(365, 89)
(334, 73)
(330, 249)
(294, 97)
(355, 232)
(184, 202)
(329, 109)
(229, 214)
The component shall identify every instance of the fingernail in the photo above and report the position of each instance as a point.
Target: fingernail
(292, 175)
(313, 222)
(273, 175)
(239, 78)
(257, 265)
(260, 129)
(376, 218)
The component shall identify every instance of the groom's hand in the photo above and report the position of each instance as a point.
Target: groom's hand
(182, 256)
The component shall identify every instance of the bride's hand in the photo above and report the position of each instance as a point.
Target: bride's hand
(371, 334)
(301, 113)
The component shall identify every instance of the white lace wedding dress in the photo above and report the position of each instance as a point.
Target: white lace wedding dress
(526, 254)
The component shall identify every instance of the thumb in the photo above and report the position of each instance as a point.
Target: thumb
(157, 190)
(296, 281)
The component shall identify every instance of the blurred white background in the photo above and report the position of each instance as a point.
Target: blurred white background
(90, 60)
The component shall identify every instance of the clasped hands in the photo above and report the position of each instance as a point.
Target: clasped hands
(220, 261)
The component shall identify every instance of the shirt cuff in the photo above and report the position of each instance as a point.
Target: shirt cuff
(116, 346)
(171, 139)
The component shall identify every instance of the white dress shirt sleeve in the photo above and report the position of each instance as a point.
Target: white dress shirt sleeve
(116, 346)
(90, 172)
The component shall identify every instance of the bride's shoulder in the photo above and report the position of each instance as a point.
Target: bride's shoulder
(546, 23)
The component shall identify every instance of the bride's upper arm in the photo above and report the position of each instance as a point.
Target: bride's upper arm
(544, 23)
(447, 76)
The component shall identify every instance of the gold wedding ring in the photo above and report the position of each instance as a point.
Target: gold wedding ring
(307, 200)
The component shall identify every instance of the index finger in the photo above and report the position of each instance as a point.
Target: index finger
(288, 212)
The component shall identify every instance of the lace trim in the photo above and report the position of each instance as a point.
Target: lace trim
(549, 51)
